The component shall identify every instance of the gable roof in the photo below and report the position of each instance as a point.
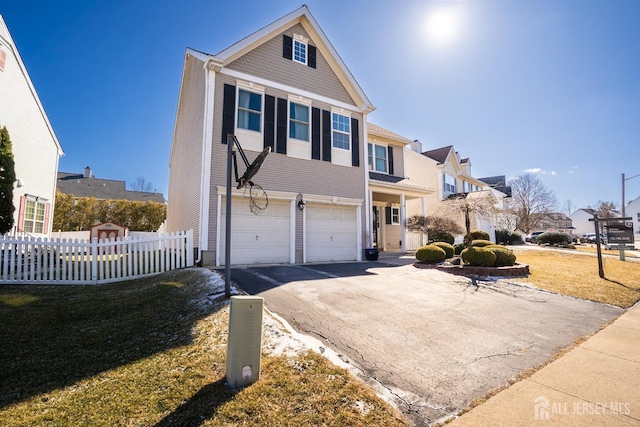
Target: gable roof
(380, 131)
(439, 154)
(7, 40)
(499, 183)
(102, 189)
(301, 16)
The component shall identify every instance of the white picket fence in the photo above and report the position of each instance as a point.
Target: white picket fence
(25, 260)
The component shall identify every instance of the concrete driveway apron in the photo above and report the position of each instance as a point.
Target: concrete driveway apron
(433, 340)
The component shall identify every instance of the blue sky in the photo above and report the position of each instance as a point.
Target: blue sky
(548, 86)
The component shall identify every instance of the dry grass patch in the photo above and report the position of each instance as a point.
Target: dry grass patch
(615, 252)
(152, 352)
(577, 276)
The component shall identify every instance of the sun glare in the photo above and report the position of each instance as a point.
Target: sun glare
(443, 25)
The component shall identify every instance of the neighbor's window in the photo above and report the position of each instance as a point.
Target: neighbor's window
(341, 131)
(33, 217)
(298, 121)
(377, 158)
(395, 215)
(449, 183)
(249, 110)
(300, 52)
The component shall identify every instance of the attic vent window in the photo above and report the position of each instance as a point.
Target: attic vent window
(300, 52)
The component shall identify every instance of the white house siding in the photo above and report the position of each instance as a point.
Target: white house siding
(185, 163)
(581, 223)
(424, 171)
(633, 210)
(35, 146)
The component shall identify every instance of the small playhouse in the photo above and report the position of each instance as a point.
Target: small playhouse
(108, 230)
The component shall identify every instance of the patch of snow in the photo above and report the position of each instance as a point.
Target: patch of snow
(214, 287)
(364, 407)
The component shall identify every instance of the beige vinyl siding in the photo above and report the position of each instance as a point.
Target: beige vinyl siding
(266, 61)
(185, 163)
(282, 173)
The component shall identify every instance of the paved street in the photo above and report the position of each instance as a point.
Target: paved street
(433, 340)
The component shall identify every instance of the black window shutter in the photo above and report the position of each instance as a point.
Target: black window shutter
(269, 121)
(387, 214)
(311, 61)
(326, 135)
(355, 143)
(390, 159)
(315, 133)
(281, 138)
(287, 47)
(228, 111)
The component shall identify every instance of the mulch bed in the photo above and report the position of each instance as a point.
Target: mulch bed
(518, 270)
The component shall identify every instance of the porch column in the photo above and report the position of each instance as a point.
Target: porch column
(369, 219)
(424, 206)
(403, 223)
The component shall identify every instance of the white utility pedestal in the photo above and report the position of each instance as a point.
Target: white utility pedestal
(245, 341)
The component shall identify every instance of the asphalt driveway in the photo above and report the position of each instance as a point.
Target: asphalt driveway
(433, 340)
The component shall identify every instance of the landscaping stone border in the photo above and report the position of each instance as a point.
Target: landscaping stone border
(517, 270)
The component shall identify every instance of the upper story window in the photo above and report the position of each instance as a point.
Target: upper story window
(341, 131)
(249, 110)
(377, 158)
(298, 121)
(300, 51)
(449, 183)
(33, 216)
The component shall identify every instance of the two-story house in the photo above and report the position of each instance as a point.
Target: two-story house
(36, 149)
(283, 87)
(450, 175)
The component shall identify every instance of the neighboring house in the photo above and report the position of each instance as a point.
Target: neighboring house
(444, 170)
(580, 220)
(85, 184)
(36, 149)
(390, 191)
(283, 87)
(559, 222)
(633, 210)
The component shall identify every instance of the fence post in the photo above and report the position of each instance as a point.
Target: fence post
(93, 253)
(190, 247)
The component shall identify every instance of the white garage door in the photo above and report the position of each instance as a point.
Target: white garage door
(331, 233)
(257, 239)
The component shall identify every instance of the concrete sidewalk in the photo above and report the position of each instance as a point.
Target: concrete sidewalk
(595, 384)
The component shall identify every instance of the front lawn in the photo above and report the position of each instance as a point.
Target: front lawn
(577, 275)
(152, 352)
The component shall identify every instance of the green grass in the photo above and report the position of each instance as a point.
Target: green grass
(149, 352)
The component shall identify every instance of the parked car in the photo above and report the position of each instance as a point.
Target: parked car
(531, 238)
(591, 238)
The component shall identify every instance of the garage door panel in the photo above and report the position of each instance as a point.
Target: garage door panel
(331, 233)
(257, 239)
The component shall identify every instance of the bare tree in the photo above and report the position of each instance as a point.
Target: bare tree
(141, 184)
(424, 223)
(531, 202)
(568, 207)
(466, 204)
(606, 209)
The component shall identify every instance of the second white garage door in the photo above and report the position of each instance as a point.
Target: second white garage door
(331, 233)
(261, 239)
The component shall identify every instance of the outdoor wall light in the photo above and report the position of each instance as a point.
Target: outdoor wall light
(301, 204)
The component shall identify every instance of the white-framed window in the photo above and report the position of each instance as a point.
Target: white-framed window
(395, 215)
(449, 183)
(300, 51)
(249, 110)
(341, 126)
(299, 121)
(377, 158)
(33, 216)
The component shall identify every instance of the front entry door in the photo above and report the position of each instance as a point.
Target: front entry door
(376, 227)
